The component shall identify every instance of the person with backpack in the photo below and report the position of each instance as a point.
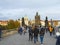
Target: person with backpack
(20, 30)
(42, 32)
(30, 33)
(36, 32)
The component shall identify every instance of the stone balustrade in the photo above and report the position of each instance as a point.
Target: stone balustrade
(8, 32)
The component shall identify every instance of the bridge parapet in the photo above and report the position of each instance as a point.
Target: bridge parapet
(9, 32)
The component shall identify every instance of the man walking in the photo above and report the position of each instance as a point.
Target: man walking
(42, 32)
(50, 30)
(30, 34)
(36, 31)
(0, 33)
(20, 30)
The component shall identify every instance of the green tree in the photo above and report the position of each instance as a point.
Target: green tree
(3, 27)
(11, 24)
(17, 24)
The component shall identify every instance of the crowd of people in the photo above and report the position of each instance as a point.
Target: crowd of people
(36, 30)
(33, 34)
(22, 30)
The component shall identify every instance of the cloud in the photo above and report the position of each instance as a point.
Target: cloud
(28, 3)
(14, 9)
(19, 13)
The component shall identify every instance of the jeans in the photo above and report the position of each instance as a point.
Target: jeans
(20, 33)
(35, 39)
(0, 36)
(31, 37)
(41, 39)
(50, 33)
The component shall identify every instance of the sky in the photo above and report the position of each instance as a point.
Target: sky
(16, 9)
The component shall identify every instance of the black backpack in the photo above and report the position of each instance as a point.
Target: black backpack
(42, 31)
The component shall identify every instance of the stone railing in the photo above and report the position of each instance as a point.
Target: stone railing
(8, 32)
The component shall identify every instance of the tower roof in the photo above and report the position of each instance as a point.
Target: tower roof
(36, 13)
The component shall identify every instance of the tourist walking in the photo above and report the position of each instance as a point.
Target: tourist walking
(30, 33)
(24, 30)
(42, 32)
(20, 31)
(50, 30)
(0, 33)
(36, 32)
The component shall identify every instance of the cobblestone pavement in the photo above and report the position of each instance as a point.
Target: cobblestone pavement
(18, 39)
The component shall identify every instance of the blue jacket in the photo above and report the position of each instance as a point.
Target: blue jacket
(20, 30)
(58, 41)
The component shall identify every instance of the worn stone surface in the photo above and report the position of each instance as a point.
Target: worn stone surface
(18, 39)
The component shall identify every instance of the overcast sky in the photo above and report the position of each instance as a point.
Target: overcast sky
(15, 9)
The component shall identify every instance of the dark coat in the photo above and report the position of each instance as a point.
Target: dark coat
(30, 31)
(0, 32)
(58, 41)
(36, 31)
(42, 32)
(20, 30)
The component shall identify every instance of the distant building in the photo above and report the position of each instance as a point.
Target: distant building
(32, 22)
(3, 23)
(26, 20)
(37, 19)
(58, 22)
(55, 22)
(29, 23)
(42, 22)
